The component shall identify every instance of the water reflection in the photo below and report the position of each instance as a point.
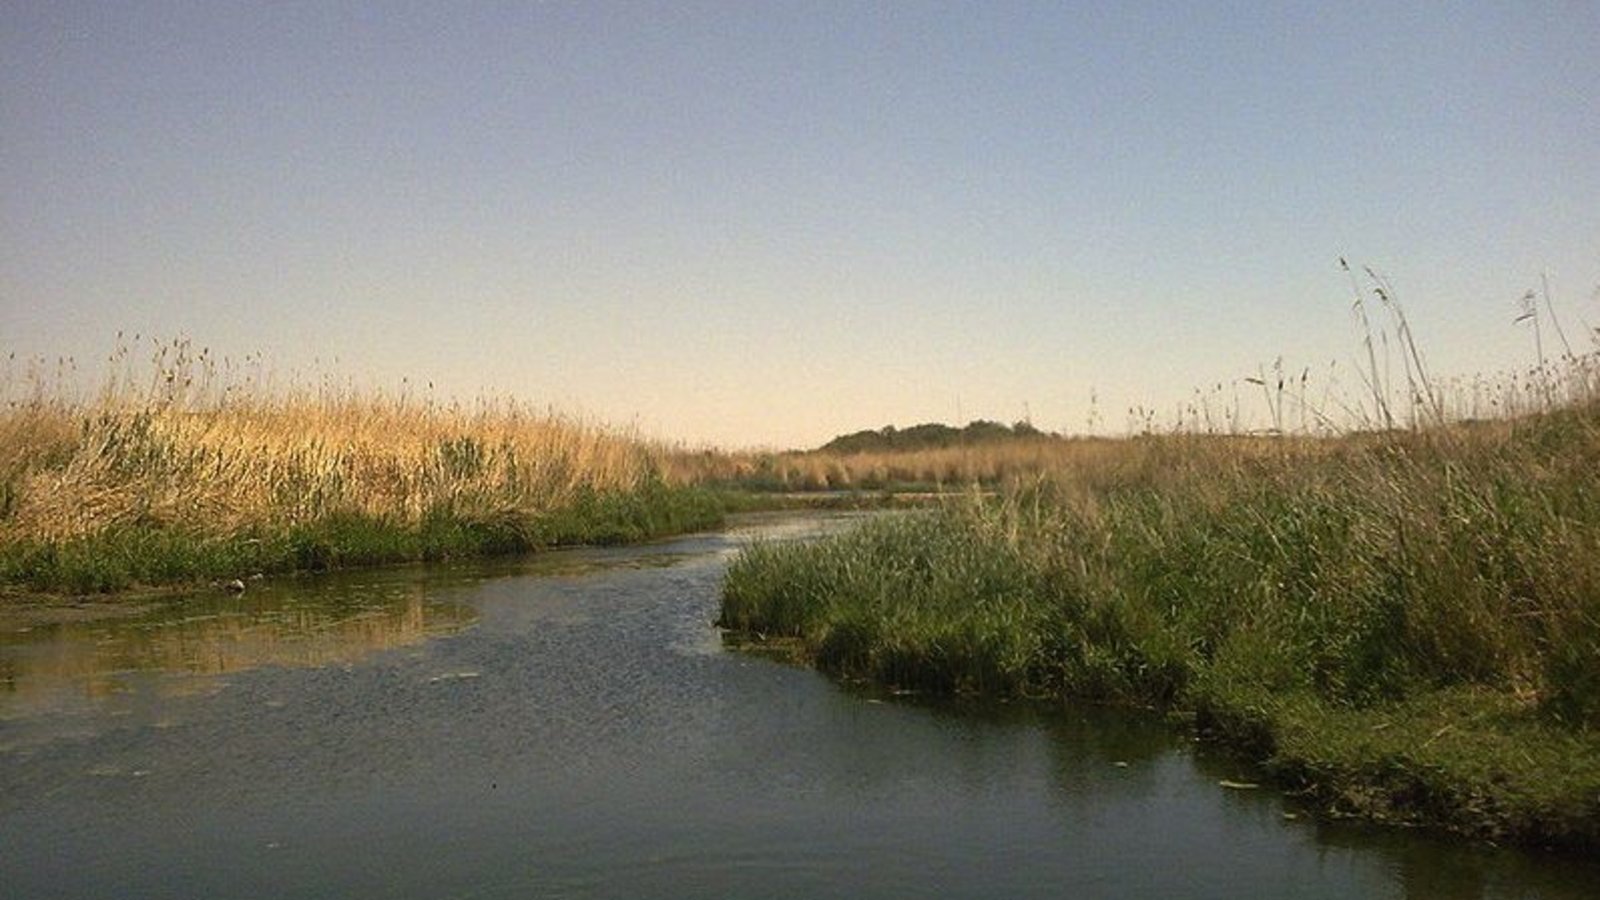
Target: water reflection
(76, 660)
(588, 736)
(179, 647)
(1434, 867)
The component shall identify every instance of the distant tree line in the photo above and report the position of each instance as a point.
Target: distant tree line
(930, 435)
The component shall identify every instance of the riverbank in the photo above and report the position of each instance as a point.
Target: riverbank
(128, 557)
(129, 562)
(184, 469)
(1404, 626)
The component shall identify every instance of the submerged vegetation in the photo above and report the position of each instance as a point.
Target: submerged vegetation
(186, 469)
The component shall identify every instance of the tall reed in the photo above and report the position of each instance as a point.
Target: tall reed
(192, 448)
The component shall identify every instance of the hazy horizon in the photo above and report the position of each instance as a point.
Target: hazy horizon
(750, 224)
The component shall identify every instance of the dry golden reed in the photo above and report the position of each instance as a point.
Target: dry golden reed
(200, 445)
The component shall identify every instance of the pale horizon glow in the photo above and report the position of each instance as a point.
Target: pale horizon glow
(765, 225)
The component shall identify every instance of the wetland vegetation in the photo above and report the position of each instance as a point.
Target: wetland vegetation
(186, 468)
(1403, 623)
(1399, 617)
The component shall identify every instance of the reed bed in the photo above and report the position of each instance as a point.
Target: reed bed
(1404, 623)
(188, 469)
(939, 468)
(1261, 412)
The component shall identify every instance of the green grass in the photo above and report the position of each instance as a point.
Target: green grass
(126, 557)
(1406, 626)
(1465, 758)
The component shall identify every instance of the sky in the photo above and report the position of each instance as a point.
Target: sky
(764, 224)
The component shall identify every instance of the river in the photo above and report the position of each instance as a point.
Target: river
(571, 725)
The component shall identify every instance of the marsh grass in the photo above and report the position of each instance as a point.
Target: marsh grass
(197, 468)
(922, 470)
(1391, 388)
(1403, 622)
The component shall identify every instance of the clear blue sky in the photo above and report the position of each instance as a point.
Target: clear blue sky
(764, 223)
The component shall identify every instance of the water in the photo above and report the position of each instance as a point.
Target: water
(571, 726)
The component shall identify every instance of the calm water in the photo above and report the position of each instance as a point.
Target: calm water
(571, 726)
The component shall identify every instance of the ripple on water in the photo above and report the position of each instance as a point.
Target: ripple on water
(570, 725)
